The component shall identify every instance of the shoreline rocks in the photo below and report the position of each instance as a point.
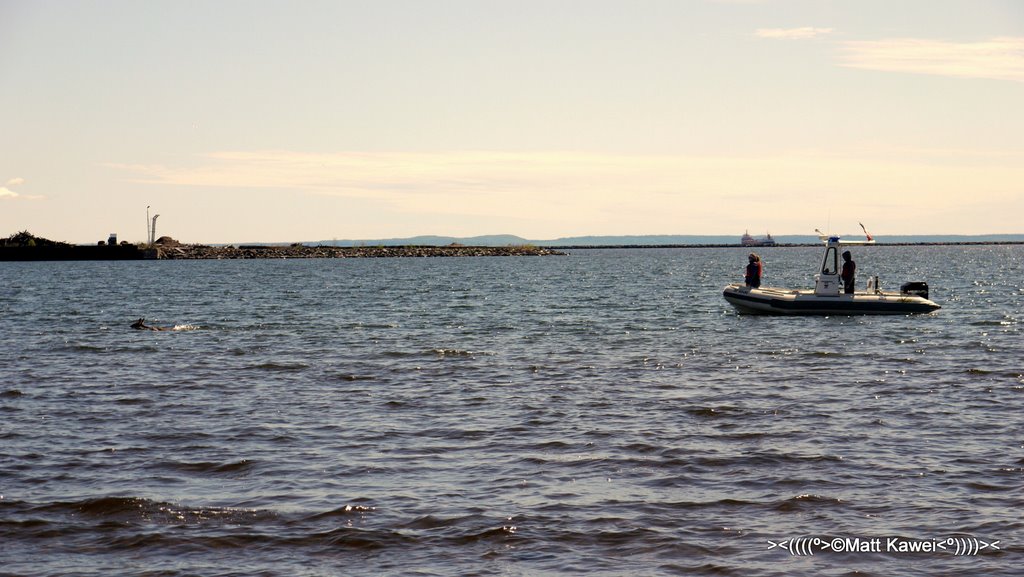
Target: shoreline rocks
(26, 247)
(200, 252)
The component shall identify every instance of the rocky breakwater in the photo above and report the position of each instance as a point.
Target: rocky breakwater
(186, 251)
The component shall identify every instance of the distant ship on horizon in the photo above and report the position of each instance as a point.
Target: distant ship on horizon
(747, 240)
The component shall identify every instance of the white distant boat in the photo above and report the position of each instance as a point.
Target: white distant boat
(827, 298)
(747, 240)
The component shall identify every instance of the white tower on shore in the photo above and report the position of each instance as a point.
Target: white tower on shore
(151, 227)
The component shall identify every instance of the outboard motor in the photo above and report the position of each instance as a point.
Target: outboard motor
(874, 285)
(917, 289)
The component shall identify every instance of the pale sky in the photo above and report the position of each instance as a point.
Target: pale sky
(281, 121)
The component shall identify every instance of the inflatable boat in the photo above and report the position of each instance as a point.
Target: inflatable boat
(827, 297)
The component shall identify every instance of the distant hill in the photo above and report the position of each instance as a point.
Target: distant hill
(951, 238)
(648, 240)
(511, 239)
(639, 240)
(433, 240)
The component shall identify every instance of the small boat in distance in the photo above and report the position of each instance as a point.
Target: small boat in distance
(747, 240)
(827, 297)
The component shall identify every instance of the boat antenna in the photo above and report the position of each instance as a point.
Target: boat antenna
(866, 233)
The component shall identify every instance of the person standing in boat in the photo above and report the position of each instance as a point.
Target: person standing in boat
(849, 270)
(754, 269)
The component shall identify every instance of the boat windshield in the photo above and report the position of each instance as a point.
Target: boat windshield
(830, 264)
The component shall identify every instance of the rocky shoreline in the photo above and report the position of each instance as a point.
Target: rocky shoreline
(195, 252)
(26, 247)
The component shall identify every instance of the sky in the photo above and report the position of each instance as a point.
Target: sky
(305, 120)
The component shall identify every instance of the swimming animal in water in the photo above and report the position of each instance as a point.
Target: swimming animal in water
(142, 326)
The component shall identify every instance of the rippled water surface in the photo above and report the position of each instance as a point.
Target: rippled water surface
(602, 413)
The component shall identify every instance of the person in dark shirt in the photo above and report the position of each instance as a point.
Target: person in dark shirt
(754, 269)
(849, 270)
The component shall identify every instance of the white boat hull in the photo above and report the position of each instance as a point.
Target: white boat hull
(777, 301)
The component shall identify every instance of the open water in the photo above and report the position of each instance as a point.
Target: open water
(603, 413)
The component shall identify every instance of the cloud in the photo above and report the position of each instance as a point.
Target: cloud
(614, 193)
(469, 182)
(7, 193)
(1000, 58)
(802, 33)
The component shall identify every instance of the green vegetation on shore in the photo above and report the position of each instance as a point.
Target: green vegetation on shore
(25, 239)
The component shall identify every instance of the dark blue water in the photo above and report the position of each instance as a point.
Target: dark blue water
(604, 413)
